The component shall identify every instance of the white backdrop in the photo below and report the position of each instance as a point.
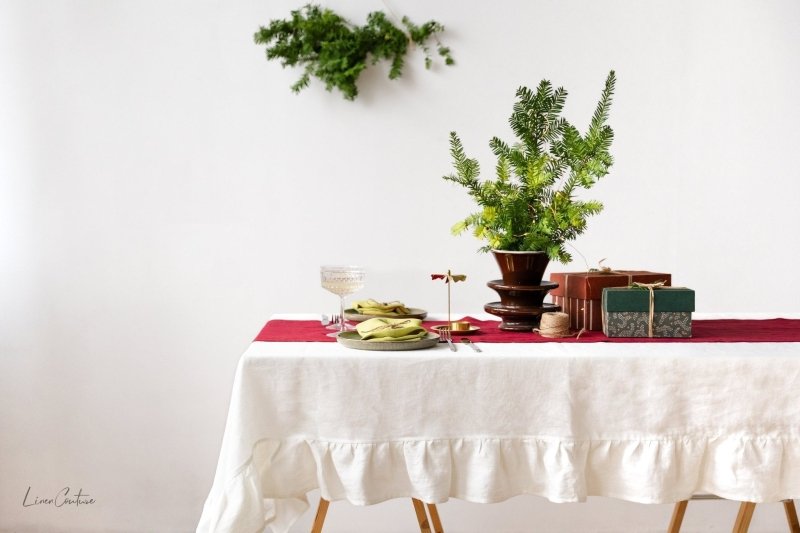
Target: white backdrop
(162, 192)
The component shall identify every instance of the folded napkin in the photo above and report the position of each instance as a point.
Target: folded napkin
(391, 329)
(374, 307)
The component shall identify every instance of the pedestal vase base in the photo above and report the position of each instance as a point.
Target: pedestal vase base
(519, 318)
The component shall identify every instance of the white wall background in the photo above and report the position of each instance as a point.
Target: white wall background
(162, 192)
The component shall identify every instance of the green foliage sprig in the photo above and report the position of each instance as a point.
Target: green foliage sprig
(332, 49)
(531, 205)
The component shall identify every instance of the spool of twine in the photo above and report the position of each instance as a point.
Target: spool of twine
(554, 325)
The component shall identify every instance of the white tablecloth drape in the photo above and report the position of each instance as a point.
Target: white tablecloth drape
(650, 423)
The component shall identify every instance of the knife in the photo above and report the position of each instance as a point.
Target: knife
(469, 343)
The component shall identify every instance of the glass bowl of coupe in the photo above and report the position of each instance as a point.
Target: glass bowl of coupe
(342, 280)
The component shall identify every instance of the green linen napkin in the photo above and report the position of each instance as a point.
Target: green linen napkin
(374, 307)
(391, 329)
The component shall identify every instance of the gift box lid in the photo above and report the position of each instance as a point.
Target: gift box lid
(590, 285)
(665, 299)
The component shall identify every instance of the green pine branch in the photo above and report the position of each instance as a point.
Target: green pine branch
(531, 203)
(335, 51)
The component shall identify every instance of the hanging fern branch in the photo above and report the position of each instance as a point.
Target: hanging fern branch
(330, 48)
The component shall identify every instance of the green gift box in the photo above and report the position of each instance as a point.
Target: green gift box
(647, 311)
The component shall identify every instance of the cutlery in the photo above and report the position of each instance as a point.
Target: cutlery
(445, 334)
(471, 344)
(330, 321)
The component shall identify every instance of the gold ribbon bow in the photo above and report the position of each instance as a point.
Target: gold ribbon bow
(608, 270)
(651, 315)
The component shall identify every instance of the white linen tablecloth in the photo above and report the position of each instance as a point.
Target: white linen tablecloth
(650, 423)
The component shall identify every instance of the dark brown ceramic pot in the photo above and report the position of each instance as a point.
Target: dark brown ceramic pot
(522, 295)
(521, 268)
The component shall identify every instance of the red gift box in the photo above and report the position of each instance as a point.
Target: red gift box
(579, 293)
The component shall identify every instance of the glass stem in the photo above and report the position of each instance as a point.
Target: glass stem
(341, 314)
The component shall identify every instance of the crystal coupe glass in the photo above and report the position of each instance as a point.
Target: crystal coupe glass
(342, 281)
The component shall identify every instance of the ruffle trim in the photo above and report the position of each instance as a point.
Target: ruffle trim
(489, 470)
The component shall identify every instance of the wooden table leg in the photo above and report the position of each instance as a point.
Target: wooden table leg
(677, 516)
(743, 518)
(791, 516)
(322, 510)
(422, 517)
(436, 521)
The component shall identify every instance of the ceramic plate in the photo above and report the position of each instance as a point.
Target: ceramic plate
(350, 314)
(456, 332)
(351, 339)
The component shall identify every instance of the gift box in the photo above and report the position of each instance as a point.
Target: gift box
(647, 311)
(579, 293)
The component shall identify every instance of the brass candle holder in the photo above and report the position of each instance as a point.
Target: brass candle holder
(448, 278)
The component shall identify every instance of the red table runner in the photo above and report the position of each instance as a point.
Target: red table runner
(723, 330)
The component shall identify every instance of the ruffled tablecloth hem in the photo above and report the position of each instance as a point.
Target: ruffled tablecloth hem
(270, 487)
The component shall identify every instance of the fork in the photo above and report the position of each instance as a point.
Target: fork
(334, 322)
(445, 334)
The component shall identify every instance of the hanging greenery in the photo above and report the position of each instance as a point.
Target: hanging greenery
(332, 49)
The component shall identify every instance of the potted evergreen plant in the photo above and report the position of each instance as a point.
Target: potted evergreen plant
(530, 210)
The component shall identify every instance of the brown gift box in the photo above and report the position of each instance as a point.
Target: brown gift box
(579, 293)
